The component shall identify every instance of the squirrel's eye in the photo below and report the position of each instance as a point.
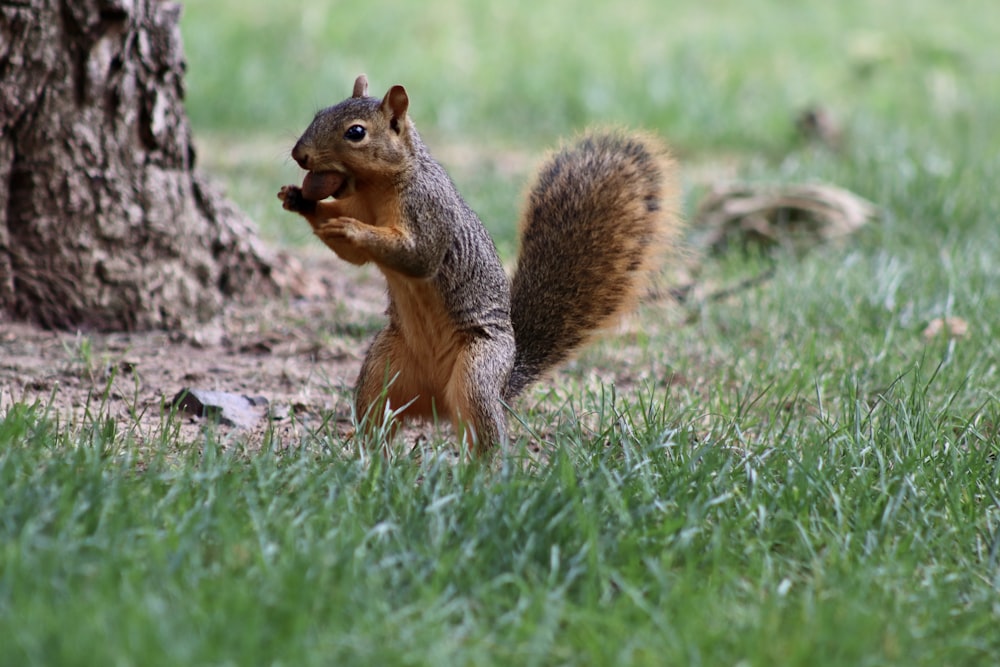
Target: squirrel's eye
(355, 133)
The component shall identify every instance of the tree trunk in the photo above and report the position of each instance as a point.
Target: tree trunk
(104, 224)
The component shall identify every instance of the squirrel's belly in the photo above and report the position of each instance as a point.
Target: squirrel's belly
(429, 332)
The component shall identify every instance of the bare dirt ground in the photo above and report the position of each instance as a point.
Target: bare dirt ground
(299, 353)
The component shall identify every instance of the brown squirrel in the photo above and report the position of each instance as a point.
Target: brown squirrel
(463, 339)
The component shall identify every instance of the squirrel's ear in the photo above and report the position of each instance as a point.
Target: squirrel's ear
(394, 104)
(361, 86)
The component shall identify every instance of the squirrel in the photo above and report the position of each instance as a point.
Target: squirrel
(463, 339)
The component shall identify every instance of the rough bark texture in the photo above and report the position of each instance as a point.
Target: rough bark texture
(104, 224)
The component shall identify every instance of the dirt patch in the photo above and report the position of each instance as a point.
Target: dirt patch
(301, 354)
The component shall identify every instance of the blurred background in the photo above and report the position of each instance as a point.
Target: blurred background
(906, 92)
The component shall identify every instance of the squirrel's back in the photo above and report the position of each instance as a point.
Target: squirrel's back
(601, 212)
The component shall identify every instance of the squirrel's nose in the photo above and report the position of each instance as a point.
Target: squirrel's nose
(301, 155)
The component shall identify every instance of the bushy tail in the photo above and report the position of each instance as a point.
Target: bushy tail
(599, 217)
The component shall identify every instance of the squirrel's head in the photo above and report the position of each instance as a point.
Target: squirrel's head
(361, 135)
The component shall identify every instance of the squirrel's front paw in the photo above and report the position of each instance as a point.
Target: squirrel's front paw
(345, 236)
(292, 200)
(338, 229)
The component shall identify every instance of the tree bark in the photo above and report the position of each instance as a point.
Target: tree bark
(104, 223)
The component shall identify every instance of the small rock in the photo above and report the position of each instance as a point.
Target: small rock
(279, 412)
(227, 408)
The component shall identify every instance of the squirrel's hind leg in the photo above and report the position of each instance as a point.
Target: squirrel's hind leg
(387, 390)
(474, 393)
(471, 397)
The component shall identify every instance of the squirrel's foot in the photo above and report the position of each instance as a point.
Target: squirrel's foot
(292, 200)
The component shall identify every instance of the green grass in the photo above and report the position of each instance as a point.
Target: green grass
(797, 477)
(863, 536)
